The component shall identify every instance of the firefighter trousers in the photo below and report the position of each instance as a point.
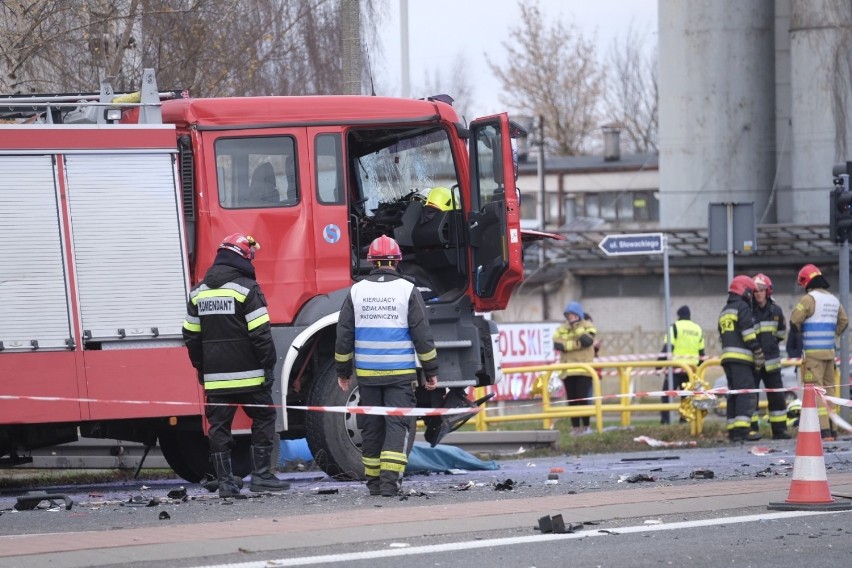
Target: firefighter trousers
(740, 406)
(775, 400)
(386, 440)
(221, 418)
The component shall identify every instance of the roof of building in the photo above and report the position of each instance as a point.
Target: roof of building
(589, 164)
(777, 245)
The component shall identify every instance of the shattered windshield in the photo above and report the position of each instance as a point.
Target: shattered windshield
(414, 163)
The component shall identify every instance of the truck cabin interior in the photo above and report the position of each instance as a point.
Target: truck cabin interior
(391, 172)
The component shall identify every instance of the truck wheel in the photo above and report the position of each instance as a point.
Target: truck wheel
(334, 438)
(188, 454)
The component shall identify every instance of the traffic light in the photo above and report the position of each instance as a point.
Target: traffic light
(840, 219)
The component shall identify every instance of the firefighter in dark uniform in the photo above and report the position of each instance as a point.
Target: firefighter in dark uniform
(381, 331)
(229, 341)
(771, 330)
(741, 355)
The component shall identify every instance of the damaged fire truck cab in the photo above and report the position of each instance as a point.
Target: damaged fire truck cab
(314, 180)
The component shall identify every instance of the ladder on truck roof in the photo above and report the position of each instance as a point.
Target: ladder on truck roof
(88, 108)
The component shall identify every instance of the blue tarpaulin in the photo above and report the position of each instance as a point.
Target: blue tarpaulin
(423, 457)
(443, 458)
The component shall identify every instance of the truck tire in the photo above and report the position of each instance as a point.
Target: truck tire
(188, 454)
(334, 438)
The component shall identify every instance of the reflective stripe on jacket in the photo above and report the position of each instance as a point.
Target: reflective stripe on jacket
(383, 330)
(771, 331)
(227, 332)
(818, 330)
(687, 340)
(736, 331)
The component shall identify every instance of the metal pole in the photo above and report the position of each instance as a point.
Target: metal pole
(403, 40)
(843, 292)
(350, 39)
(667, 310)
(542, 258)
(729, 210)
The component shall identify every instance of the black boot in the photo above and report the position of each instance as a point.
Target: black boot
(779, 431)
(262, 478)
(374, 485)
(391, 483)
(224, 474)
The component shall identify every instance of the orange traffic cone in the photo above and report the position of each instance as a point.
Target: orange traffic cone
(809, 488)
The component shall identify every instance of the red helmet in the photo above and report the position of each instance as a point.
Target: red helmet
(806, 274)
(762, 280)
(243, 245)
(742, 285)
(384, 248)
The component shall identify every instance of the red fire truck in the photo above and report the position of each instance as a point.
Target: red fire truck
(110, 210)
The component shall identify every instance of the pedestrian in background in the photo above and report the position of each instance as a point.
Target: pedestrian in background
(229, 341)
(820, 319)
(382, 330)
(685, 344)
(741, 355)
(771, 330)
(574, 340)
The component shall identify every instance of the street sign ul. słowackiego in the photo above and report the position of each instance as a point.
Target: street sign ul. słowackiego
(638, 243)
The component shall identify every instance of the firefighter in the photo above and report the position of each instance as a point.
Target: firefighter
(741, 355)
(820, 319)
(441, 199)
(228, 337)
(575, 342)
(771, 330)
(381, 330)
(685, 343)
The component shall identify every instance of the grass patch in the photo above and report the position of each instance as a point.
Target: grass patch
(17, 478)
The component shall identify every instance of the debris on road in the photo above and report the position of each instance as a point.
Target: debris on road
(635, 478)
(654, 443)
(179, 493)
(702, 474)
(507, 485)
(164, 516)
(32, 499)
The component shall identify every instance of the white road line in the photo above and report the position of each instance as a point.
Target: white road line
(455, 546)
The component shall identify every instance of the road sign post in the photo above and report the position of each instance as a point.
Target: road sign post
(646, 243)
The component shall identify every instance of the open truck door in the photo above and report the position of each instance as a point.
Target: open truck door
(494, 217)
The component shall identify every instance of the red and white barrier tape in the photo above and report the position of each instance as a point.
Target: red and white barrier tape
(373, 410)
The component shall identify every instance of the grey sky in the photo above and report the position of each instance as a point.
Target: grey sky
(441, 30)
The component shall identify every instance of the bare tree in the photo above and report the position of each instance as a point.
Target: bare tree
(455, 83)
(211, 47)
(631, 97)
(552, 71)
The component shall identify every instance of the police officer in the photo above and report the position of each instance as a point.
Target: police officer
(820, 319)
(741, 355)
(575, 342)
(686, 343)
(771, 330)
(381, 330)
(229, 341)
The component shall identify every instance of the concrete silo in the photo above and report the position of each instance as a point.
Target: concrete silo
(820, 66)
(717, 107)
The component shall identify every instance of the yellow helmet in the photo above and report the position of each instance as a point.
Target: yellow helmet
(441, 198)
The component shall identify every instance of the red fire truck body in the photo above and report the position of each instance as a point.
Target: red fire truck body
(111, 212)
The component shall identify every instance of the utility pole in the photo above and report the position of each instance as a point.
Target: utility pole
(542, 257)
(350, 34)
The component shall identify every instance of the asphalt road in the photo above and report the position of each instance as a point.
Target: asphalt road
(464, 518)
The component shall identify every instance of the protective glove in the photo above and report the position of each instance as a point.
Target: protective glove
(558, 347)
(759, 359)
(586, 340)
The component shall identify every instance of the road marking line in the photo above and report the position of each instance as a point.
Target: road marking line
(456, 546)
